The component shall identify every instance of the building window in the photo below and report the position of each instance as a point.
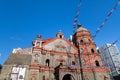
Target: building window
(89, 40)
(21, 77)
(97, 63)
(73, 62)
(60, 36)
(81, 50)
(38, 43)
(47, 62)
(44, 77)
(33, 44)
(81, 41)
(61, 64)
(92, 50)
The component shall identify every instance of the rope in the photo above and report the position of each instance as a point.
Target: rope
(76, 16)
(106, 18)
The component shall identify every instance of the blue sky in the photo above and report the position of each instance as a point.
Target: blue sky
(22, 20)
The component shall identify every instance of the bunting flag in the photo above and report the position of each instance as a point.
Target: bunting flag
(76, 16)
(74, 25)
(75, 20)
(106, 18)
(100, 27)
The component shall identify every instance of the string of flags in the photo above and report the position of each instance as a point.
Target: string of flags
(77, 15)
(100, 27)
(106, 18)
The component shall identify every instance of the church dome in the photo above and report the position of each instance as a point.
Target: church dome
(81, 31)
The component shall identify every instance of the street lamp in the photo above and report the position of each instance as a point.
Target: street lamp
(80, 62)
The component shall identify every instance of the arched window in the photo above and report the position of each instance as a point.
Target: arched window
(92, 50)
(89, 40)
(33, 44)
(47, 62)
(97, 63)
(43, 77)
(98, 51)
(73, 62)
(38, 43)
(81, 41)
(61, 64)
(60, 36)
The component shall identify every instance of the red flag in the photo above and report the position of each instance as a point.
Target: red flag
(109, 13)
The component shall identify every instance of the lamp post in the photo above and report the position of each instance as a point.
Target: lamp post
(80, 63)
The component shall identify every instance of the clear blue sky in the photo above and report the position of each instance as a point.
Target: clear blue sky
(22, 20)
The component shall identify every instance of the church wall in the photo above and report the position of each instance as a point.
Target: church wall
(45, 60)
(5, 73)
(18, 59)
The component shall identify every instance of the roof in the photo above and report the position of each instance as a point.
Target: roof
(81, 29)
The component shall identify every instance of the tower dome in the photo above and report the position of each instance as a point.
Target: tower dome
(81, 35)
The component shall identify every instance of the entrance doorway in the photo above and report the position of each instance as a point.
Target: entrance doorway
(68, 77)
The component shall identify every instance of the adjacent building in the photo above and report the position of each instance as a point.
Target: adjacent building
(57, 59)
(111, 58)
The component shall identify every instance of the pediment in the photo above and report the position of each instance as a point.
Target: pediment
(60, 45)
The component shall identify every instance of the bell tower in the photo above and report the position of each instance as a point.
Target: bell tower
(60, 35)
(82, 39)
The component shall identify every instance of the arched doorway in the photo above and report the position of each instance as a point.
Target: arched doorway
(68, 77)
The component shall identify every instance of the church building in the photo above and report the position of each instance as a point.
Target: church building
(57, 59)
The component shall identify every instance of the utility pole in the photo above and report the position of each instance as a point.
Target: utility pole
(80, 63)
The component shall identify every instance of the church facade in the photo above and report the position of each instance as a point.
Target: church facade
(57, 59)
